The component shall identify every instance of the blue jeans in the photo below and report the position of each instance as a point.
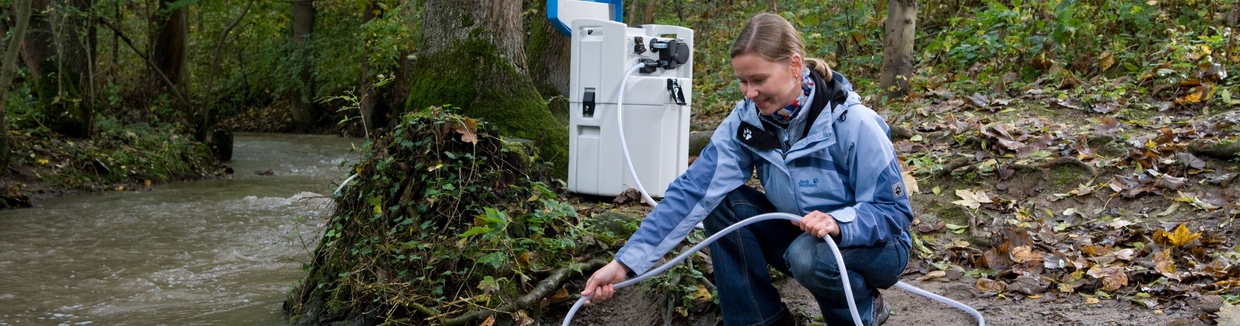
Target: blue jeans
(746, 294)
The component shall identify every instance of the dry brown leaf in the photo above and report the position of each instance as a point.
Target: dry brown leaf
(1112, 278)
(489, 321)
(1164, 265)
(1023, 254)
(468, 130)
(971, 199)
(1228, 314)
(934, 275)
(990, 285)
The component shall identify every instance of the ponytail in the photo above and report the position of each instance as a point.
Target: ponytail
(821, 67)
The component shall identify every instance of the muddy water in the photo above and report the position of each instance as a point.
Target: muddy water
(214, 252)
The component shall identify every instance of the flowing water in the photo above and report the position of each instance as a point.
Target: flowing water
(213, 252)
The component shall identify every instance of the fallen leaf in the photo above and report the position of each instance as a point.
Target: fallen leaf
(1228, 314)
(1179, 237)
(489, 321)
(934, 275)
(970, 199)
(560, 294)
(701, 293)
(990, 285)
(1112, 278)
(468, 129)
(1023, 254)
(1164, 265)
(1091, 300)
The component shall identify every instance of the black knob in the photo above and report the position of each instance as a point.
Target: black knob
(681, 53)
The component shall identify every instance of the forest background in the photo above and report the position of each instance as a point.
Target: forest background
(1133, 101)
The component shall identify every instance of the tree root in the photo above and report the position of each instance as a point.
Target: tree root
(543, 289)
(1202, 147)
(951, 167)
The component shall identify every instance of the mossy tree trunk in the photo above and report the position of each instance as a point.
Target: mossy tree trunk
(548, 52)
(301, 98)
(8, 68)
(58, 49)
(900, 29)
(475, 58)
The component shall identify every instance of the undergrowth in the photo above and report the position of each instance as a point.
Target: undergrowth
(447, 222)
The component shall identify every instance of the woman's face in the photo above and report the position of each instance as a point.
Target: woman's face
(771, 85)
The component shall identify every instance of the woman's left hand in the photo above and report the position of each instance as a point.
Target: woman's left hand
(819, 224)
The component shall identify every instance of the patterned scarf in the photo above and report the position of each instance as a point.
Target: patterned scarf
(786, 114)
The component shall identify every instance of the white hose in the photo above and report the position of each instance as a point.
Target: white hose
(346, 181)
(623, 145)
(839, 261)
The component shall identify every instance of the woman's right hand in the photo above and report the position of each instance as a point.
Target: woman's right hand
(600, 284)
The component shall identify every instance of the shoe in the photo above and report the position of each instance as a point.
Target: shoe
(881, 310)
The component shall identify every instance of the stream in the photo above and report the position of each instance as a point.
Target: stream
(210, 252)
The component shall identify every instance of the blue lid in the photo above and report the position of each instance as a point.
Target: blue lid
(553, 13)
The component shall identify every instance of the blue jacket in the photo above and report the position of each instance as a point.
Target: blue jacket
(845, 166)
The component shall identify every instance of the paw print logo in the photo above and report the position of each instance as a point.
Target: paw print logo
(748, 134)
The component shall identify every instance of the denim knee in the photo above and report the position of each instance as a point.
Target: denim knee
(804, 261)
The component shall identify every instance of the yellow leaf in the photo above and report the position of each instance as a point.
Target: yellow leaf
(1179, 237)
(121, 188)
(147, 182)
(701, 293)
(560, 294)
(1106, 61)
(1112, 278)
(42, 161)
(1091, 300)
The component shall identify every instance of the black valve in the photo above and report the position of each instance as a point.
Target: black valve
(672, 53)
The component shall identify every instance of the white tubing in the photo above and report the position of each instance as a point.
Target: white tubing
(839, 259)
(624, 146)
(346, 181)
(976, 315)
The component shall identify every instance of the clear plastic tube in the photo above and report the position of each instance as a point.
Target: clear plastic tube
(624, 145)
(839, 260)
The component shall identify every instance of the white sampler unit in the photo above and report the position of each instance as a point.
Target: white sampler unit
(655, 103)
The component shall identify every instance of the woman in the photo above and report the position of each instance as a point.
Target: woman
(819, 153)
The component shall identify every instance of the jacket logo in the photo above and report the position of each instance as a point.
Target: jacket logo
(748, 134)
(897, 190)
(804, 183)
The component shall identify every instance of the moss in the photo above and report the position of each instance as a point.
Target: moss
(1067, 176)
(471, 74)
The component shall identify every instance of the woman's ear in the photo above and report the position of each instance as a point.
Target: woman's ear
(796, 63)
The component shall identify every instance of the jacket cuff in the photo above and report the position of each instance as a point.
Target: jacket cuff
(632, 257)
(843, 219)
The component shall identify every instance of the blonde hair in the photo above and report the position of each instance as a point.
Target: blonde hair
(773, 38)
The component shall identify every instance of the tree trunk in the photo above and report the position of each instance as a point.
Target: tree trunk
(650, 5)
(59, 58)
(303, 111)
(901, 29)
(8, 68)
(774, 8)
(548, 52)
(474, 58)
(169, 49)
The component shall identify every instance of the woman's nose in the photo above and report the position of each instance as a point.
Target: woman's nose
(750, 92)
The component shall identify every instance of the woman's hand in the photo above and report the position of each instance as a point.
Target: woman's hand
(819, 224)
(600, 284)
